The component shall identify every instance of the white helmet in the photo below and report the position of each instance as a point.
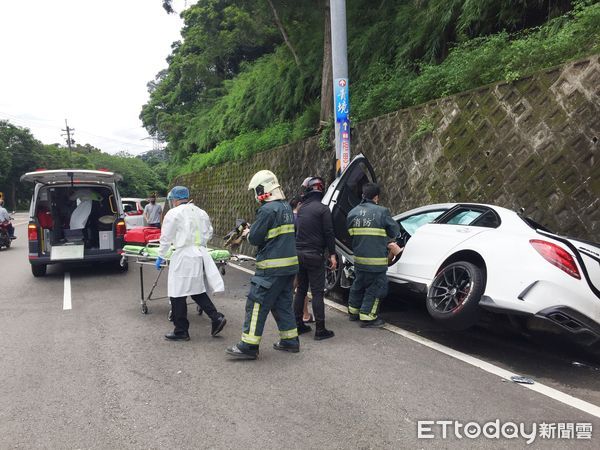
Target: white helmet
(264, 184)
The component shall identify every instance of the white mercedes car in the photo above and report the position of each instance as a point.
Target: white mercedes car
(467, 257)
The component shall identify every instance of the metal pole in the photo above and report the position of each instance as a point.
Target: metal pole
(341, 97)
(69, 141)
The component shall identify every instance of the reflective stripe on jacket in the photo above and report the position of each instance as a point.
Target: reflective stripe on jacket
(371, 227)
(274, 234)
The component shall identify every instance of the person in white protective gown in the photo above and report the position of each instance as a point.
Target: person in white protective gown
(188, 229)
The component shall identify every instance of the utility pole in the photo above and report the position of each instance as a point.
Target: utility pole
(341, 87)
(70, 141)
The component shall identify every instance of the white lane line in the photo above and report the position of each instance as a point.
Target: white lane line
(540, 388)
(243, 269)
(67, 294)
(567, 399)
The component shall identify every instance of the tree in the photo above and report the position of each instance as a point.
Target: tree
(251, 66)
(24, 153)
(284, 34)
(326, 114)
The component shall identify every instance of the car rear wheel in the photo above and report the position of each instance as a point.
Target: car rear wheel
(454, 295)
(38, 270)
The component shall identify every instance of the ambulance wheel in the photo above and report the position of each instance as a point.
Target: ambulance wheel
(38, 270)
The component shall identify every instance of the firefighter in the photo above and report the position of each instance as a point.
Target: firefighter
(276, 266)
(371, 226)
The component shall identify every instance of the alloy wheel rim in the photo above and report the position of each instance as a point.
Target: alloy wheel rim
(450, 289)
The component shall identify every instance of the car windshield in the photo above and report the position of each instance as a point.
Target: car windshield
(412, 223)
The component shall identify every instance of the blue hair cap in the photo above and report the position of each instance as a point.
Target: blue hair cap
(179, 193)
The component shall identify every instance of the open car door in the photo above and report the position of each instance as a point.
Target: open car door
(344, 194)
(74, 176)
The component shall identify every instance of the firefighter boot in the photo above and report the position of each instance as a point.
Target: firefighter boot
(288, 345)
(241, 350)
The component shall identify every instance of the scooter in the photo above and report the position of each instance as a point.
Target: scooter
(5, 239)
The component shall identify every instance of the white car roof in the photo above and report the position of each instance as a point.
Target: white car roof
(420, 209)
(61, 176)
(506, 215)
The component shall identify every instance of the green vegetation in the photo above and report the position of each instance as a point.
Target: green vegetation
(235, 86)
(20, 152)
(424, 128)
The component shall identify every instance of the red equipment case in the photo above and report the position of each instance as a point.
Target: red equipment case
(142, 235)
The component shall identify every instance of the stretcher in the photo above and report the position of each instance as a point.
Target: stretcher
(146, 255)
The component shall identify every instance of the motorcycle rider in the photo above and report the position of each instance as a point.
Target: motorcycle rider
(186, 227)
(5, 217)
(371, 227)
(276, 266)
(314, 235)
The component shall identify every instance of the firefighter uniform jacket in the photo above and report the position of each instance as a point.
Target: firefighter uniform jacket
(274, 234)
(370, 227)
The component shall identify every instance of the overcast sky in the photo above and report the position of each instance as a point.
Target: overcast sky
(87, 61)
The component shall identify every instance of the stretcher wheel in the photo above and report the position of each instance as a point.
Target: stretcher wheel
(199, 309)
(144, 309)
(222, 270)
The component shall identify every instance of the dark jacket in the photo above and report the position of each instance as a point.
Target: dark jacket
(371, 226)
(314, 226)
(273, 233)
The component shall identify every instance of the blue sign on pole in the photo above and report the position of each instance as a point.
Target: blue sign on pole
(342, 100)
(344, 144)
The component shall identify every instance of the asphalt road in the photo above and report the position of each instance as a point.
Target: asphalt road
(100, 375)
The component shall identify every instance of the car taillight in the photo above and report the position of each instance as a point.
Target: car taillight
(120, 228)
(135, 213)
(556, 256)
(32, 233)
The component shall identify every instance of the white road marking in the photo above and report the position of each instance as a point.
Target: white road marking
(243, 269)
(242, 257)
(540, 388)
(67, 293)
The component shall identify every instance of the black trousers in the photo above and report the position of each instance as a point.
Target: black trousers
(179, 311)
(311, 271)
